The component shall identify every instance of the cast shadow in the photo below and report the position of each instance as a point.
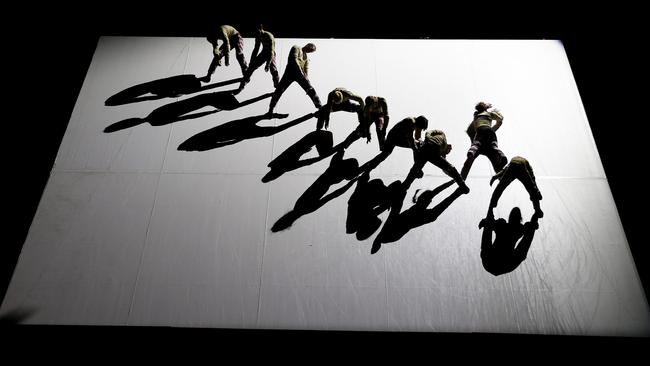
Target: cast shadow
(369, 200)
(236, 131)
(375, 161)
(316, 195)
(16, 316)
(399, 223)
(181, 110)
(170, 87)
(289, 159)
(504, 255)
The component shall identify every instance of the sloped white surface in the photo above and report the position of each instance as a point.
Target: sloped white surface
(132, 231)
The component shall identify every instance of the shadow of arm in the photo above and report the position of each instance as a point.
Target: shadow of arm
(122, 125)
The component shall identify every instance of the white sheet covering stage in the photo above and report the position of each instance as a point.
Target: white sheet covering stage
(132, 231)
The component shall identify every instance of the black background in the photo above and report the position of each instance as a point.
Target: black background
(49, 49)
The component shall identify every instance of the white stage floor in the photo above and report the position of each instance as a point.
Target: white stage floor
(132, 231)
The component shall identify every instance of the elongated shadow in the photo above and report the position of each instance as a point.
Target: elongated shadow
(182, 110)
(289, 159)
(316, 195)
(236, 131)
(504, 255)
(399, 223)
(369, 200)
(374, 162)
(170, 87)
